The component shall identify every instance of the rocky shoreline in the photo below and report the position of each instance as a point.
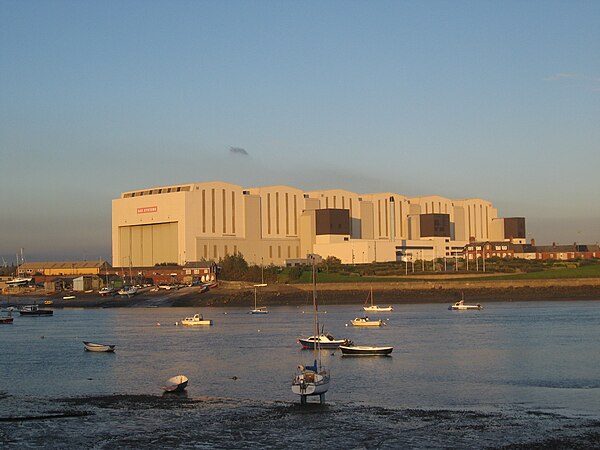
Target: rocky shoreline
(236, 294)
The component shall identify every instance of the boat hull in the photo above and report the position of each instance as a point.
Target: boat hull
(6, 320)
(368, 323)
(365, 350)
(38, 313)
(464, 307)
(176, 384)
(259, 311)
(304, 384)
(191, 323)
(100, 348)
(378, 308)
(309, 343)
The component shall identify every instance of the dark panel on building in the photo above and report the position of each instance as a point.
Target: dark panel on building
(435, 225)
(514, 228)
(333, 221)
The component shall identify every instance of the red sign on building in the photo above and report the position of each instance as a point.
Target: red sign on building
(147, 209)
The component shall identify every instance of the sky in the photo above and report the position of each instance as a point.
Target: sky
(463, 99)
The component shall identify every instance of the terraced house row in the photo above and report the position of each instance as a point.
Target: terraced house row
(281, 224)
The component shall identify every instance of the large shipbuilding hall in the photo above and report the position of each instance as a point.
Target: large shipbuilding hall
(281, 225)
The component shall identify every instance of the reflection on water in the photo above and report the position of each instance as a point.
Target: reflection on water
(508, 359)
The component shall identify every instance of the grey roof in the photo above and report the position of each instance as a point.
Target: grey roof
(199, 265)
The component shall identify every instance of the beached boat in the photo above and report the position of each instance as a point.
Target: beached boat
(106, 291)
(176, 384)
(365, 350)
(258, 309)
(375, 308)
(366, 322)
(68, 297)
(33, 310)
(19, 281)
(314, 379)
(94, 347)
(196, 319)
(48, 302)
(128, 291)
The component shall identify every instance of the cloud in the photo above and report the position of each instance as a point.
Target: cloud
(238, 151)
(562, 76)
(582, 80)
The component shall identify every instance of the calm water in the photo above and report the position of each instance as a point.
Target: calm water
(510, 357)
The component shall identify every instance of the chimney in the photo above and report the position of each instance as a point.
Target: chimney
(554, 244)
(532, 242)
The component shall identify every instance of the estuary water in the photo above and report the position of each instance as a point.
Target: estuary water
(514, 373)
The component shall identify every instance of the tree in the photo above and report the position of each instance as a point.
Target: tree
(233, 267)
(331, 262)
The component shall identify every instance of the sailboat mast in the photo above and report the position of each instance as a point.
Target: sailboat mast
(317, 345)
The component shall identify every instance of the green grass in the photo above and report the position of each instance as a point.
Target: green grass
(590, 271)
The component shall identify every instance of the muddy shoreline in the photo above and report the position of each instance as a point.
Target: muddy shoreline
(237, 294)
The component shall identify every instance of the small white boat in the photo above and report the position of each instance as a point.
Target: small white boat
(310, 381)
(365, 350)
(325, 341)
(376, 308)
(19, 281)
(460, 306)
(94, 347)
(176, 384)
(68, 297)
(197, 319)
(366, 322)
(128, 291)
(258, 309)
(106, 291)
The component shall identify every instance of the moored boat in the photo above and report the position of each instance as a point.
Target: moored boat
(33, 310)
(95, 347)
(196, 319)
(176, 384)
(460, 306)
(365, 350)
(258, 309)
(6, 319)
(366, 322)
(325, 341)
(376, 308)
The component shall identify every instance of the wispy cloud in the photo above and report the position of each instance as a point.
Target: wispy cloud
(562, 76)
(582, 80)
(238, 151)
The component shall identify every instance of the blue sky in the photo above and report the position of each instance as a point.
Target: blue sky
(496, 100)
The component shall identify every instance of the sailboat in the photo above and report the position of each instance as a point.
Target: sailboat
(262, 309)
(19, 280)
(312, 380)
(375, 308)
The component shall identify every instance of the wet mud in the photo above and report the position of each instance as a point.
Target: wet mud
(179, 421)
